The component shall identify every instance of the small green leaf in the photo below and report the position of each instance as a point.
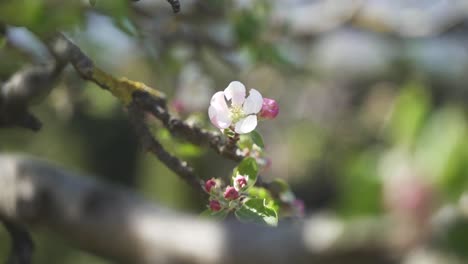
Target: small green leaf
(229, 133)
(245, 141)
(262, 193)
(219, 215)
(92, 2)
(126, 26)
(256, 211)
(257, 139)
(248, 167)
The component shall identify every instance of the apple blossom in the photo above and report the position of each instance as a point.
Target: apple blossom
(231, 193)
(241, 112)
(215, 205)
(240, 182)
(270, 108)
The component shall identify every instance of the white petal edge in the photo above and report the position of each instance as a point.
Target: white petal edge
(218, 102)
(219, 119)
(253, 103)
(235, 92)
(246, 125)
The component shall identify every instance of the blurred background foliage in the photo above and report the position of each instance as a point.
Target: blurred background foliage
(373, 97)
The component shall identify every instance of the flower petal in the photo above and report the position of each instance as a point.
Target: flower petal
(235, 92)
(246, 125)
(218, 102)
(219, 118)
(219, 111)
(253, 103)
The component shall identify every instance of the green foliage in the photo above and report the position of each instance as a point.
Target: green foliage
(410, 111)
(114, 8)
(360, 187)
(248, 167)
(441, 150)
(426, 120)
(257, 139)
(248, 24)
(264, 194)
(256, 211)
(41, 16)
(126, 26)
(46, 16)
(247, 141)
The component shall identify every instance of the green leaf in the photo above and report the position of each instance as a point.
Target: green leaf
(126, 26)
(92, 2)
(256, 211)
(245, 141)
(262, 193)
(219, 215)
(257, 139)
(247, 167)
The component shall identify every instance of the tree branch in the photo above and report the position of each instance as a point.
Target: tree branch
(26, 87)
(21, 243)
(146, 98)
(124, 227)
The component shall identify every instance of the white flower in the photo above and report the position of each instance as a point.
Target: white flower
(242, 111)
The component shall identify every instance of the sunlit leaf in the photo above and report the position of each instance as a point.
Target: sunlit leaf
(256, 211)
(248, 167)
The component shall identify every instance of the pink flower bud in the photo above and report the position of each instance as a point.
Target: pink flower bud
(270, 109)
(231, 193)
(215, 206)
(240, 181)
(210, 184)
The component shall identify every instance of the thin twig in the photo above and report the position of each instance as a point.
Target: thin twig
(151, 144)
(140, 99)
(181, 129)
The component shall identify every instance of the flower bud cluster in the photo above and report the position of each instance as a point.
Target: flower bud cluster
(229, 197)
